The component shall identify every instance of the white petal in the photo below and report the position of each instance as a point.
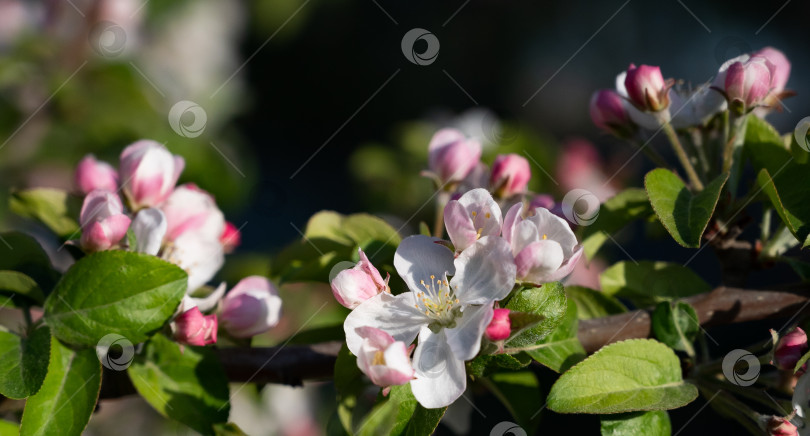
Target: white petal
(487, 212)
(512, 218)
(555, 229)
(418, 257)
(210, 301)
(440, 376)
(525, 233)
(538, 260)
(149, 228)
(200, 258)
(465, 338)
(485, 272)
(396, 315)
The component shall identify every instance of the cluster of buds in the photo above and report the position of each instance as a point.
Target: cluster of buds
(180, 224)
(455, 165)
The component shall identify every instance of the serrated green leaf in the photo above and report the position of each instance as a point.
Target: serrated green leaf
(676, 325)
(683, 214)
(628, 376)
(22, 253)
(23, 362)
(548, 301)
(654, 423)
(188, 385)
(19, 284)
(68, 395)
(561, 349)
(647, 283)
(788, 199)
(53, 207)
(614, 214)
(592, 303)
(125, 293)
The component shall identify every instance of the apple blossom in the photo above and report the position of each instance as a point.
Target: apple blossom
(609, 112)
(646, 88)
(189, 209)
(231, 237)
(193, 328)
(544, 247)
(102, 220)
(473, 216)
(355, 285)
(748, 83)
(383, 359)
(449, 316)
(148, 173)
(251, 307)
(500, 327)
(781, 67)
(790, 349)
(92, 174)
(510, 175)
(451, 155)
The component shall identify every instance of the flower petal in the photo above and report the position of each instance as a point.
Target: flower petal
(555, 229)
(538, 260)
(465, 339)
(483, 210)
(525, 233)
(395, 315)
(149, 227)
(565, 269)
(440, 376)
(418, 257)
(459, 225)
(485, 272)
(511, 220)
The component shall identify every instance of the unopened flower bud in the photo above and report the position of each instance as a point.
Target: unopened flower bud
(748, 83)
(778, 426)
(609, 113)
(231, 237)
(355, 285)
(148, 173)
(102, 220)
(510, 175)
(92, 174)
(646, 88)
(500, 327)
(790, 349)
(193, 328)
(251, 307)
(451, 155)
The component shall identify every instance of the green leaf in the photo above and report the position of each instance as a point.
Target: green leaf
(13, 282)
(22, 253)
(349, 385)
(68, 395)
(125, 293)
(592, 303)
(229, 429)
(486, 364)
(23, 362)
(800, 363)
(788, 199)
(330, 238)
(561, 349)
(627, 376)
(53, 207)
(614, 214)
(683, 214)
(548, 301)
(400, 414)
(654, 423)
(8, 428)
(188, 385)
(676, 325)
(424, 421)
(521, 394)
(647, 282)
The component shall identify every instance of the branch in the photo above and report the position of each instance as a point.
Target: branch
(294, 364)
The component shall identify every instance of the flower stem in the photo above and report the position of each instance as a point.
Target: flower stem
(681, 153)
(732, 152)
(441, 201)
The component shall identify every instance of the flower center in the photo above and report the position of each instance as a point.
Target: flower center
(438, 302)
(475, 215)
(379, 358)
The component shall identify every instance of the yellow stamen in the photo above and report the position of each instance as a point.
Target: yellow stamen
(379, 358)
(545, 236)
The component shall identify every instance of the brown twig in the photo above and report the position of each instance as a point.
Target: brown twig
(294, 364)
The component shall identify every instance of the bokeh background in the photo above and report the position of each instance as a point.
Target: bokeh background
(311, 105)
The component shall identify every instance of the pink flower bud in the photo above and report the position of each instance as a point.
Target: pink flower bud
(148, 173)
(189, 209)
(384, 360)
(781, 67)
(778, 426)
(355, 285)
(790, 349)
(609, 113)
(193, 328)
(646, 88)
(252, 307)
(451, 156)
(231, 237)
(748, 83)
(92, 174)
(510, 175)
(102, 220)
(500, 327)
